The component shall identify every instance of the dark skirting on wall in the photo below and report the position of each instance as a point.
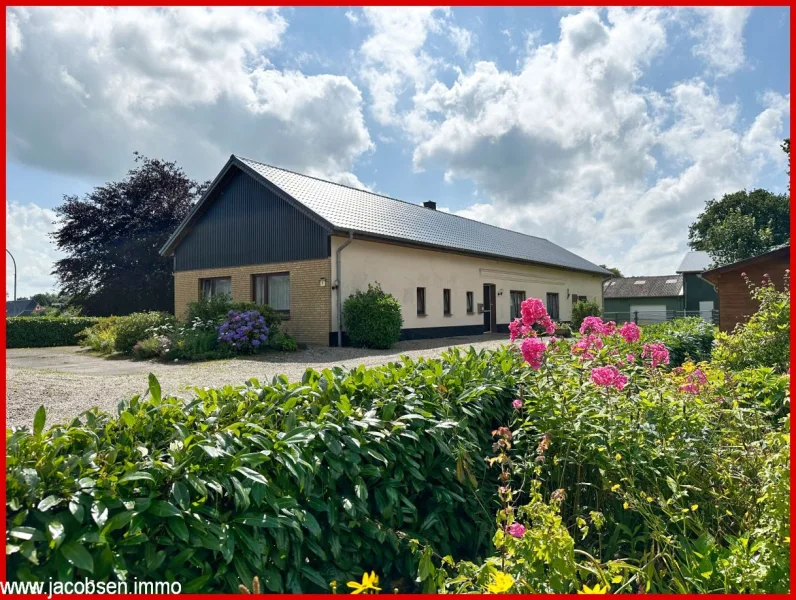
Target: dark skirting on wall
(428, 333)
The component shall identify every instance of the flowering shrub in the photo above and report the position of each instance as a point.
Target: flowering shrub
(583, 309)
(244, 332)
(765, 339)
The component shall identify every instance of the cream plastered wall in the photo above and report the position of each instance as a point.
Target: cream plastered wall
(401, 270)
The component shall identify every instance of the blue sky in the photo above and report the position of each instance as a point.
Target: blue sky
(603, 130)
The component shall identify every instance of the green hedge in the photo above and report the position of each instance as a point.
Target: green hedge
(372, 318)
(689, 337)
(38, 332)
(299, 483)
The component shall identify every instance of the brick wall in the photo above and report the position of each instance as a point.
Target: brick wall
(736, 303)
(310, 304)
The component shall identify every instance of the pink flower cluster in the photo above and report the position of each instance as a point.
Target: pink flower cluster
(518, 329)
(516, 530)
(516, 403)
(533, 351)
(630, 332)
(657, 353)
(533, 311)
(696, 379)
(608, 377)
(596, 325)
(588, 344)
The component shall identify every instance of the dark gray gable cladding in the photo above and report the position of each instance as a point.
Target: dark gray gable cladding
(242, 222)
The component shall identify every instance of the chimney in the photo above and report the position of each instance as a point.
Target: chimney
(430, 204)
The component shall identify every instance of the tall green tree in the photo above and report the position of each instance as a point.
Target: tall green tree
(112, 237)
(741, 225)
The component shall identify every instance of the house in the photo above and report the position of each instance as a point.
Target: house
(737, 305)
(303, 245)
(22, 308)
(700, 298)
(645, 299)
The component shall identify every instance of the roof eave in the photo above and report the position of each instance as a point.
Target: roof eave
(403, 241)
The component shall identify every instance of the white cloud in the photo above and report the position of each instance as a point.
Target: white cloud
(27, 226)
(351, 16)
(188, 84)
(462, 39)
(571, 144)
(13, 33)
(719, 30)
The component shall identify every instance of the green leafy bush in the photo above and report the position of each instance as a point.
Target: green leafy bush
(135, 327)
(688, 337)
(38, 332)
(372, 318)
(282, 342)
(764, 340)
(298, 483)
(583, 309)
(101, 336)
(152, 347)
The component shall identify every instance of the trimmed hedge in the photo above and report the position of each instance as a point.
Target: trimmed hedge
(298, 483)
(39, 332)
(688, 337)
(372, 318)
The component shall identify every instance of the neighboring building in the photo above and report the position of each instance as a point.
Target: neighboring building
(700, 297)
(22, 308)
(302, 245)
(737, 305)
(648, 299)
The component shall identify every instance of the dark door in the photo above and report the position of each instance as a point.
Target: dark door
(490, 313)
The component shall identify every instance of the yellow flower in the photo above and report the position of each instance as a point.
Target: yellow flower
(618, 456)
(616, 579)
(685, 510)
(650, 498)
(626, 506)
(595, 590)
(615, 487)
(369, 582)
(694, 507)
(501, 583)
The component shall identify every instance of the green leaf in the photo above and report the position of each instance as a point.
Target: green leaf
(118, 521)
(99, 512)
(252, 474)
(178, 528)
(57, 532)
(137, 476)
(162, 508)
(48, 503)
(154, 389)
(128, 419)
(38, 421)
(78, 556)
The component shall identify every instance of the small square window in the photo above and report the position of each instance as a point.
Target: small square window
(469, 303)
(446, 302)
(272, 289)
(215, 286)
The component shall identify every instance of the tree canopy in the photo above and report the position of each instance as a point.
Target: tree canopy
(741, 225)
(614, 271)
(112, 237)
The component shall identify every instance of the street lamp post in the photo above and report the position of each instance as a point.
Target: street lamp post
(15, 273)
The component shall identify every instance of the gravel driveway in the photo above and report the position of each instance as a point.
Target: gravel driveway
(69, 380)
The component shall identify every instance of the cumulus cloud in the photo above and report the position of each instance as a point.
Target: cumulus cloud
(27, 226)
(571, 144)
(92, 85)
(719, 31)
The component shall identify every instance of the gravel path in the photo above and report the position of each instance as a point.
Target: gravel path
(70, 380)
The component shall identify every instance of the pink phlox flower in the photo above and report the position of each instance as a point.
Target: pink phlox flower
(689, 388)
(586, 344)
(630, 332)
(591, 325)
(698, 376)
(657, 353)
(608, 377)
(608, 328)
(516, 530)
(631, 358)
(532, 310)
(517, 403)
(533, 351)
(517, 329)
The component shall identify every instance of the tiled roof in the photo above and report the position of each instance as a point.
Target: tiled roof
(16, 308)
(694, 262)
(656, 286)
(360, 211)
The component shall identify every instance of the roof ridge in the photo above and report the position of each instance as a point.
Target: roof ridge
(350, 187)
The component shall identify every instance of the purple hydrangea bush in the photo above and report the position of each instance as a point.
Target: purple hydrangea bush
(243, 332)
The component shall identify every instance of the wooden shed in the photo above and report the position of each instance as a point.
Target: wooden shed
(736, 303)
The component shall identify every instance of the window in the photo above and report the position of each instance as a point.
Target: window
(469, 303)
(552, 306)
(273, 289)
(576, 298)
(516, 300)
(446, 302)
(215, 286)
(421, 301)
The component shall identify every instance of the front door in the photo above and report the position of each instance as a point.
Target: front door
(490, 311)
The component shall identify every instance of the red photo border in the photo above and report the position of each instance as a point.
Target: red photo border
(377, 3)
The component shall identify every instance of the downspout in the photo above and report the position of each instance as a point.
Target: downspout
(340, 291)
